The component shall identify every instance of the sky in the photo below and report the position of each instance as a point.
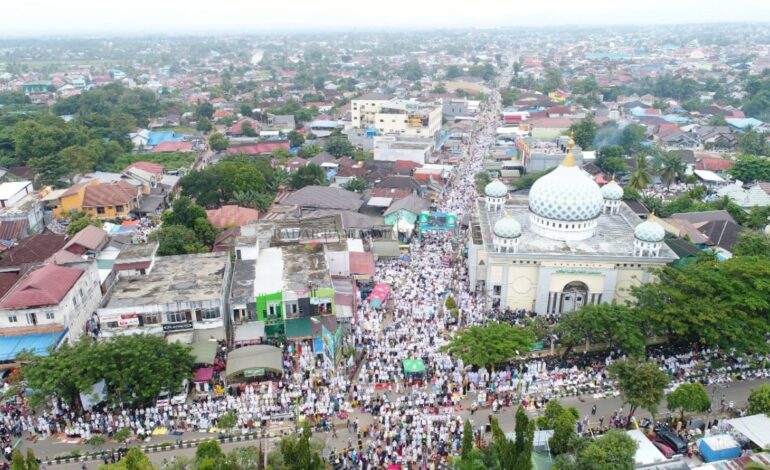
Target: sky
(88, 17)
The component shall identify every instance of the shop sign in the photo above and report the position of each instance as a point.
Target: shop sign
(128, 319)
(173, 327)
(253, 373)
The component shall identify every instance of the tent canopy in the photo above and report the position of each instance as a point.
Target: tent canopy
(204, 352)
(249, 332)
(249, 359)
(204, 374)
(299, 327)
(756, 428)
(379, 295)
(96, 396)
(414, 366)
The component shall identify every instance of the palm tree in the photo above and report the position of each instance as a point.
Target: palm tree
(640, 176)
(673, 168)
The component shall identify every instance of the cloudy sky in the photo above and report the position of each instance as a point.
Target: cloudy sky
(76, 17)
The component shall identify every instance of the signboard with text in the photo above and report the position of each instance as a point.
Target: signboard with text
(174, 327)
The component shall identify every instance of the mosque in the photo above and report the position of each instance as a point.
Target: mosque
(568, 244)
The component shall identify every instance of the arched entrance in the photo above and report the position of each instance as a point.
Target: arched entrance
(574, 295)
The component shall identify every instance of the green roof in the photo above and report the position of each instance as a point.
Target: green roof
(299, 327)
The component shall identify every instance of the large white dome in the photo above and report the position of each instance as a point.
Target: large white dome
(566, 194)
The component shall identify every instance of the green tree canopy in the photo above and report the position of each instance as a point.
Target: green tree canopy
(80, 220)
(135, 368)
(753, 143)
(339, 146)
(641, 384)
(614, 450)
(296, 139)
(690, 397)
(641, 176)
(753, 243)
(308, 175)
(218, 184)
(218, 142)
(134, 459)
(750, 168)
(584, 132)
(631, 138)
(491, 345)
(618, 326)
(759, 400)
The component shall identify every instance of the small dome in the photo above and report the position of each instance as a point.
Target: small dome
(650, 231)
(496, 189)
(507, 227)
(612, 191)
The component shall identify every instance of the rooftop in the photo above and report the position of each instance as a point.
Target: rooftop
(45, 286)
(139, 250)
(184, 278)
(242, 285)
(614, 238)
(9, 189)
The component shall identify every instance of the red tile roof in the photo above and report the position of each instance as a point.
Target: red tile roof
(713, 164)
(90, 237)
(34, 249)
(406, 164)
(45, 286)
(231, 216)
(258, 149)
(12, 229)
(150, 167)
(115, 194)
(173, 147)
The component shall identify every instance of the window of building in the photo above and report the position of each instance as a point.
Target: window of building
(111, 324)
(497, 290)
(176, 317)
(49, 315)
(274, 309)
(100, 210)
(118, 208)
(151, 318)
(289, 234)
(211, 314)
(12, 319)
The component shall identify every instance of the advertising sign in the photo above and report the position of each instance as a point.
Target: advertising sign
(173, 327)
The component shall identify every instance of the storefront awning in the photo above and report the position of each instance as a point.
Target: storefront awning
(204, 352)
(253, 361)
(249, 332)
(298, 328)
(38, 344)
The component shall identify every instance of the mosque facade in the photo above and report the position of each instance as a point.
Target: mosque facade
(567, 244)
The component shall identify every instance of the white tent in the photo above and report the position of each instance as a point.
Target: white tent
(756, 428)
(646, 452)
(88, 400)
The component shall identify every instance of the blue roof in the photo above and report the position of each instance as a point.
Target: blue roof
(158, 137)
(743, 123)
(39, 344)
(675, 118)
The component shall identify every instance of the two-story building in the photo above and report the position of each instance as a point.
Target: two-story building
(182, 297)
(103, 201)
(45, 306)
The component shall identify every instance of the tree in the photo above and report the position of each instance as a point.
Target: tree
(227, 421)
(178, 240)
(673, 168)
(610, 159)
(296, 139)
(49, 170)
(488, 346)
(203, 125)
(682, 302)
(309, 151)
(514, 455)
(297, 454)
(752, 244)
(135, 369)
(453, 71)
(691, 397)
(640, 176)
(218, 142)
(467, 447)
(193, 217)
(553, 80)
(339, 146)
(79, 159)
(411, 71)
(753, 143)
(631, 138)
(208, 450)
(584, 132)
(614, 450)
(482, 179)
(80, 220)
(248, 130)
(308, 175)
(357, 185)
(641, 384)
(134, 459)
(749, 168)
(122, 435)
(563, 422)
(717, 120)
(20, 462)
(205, 109)
(618, 326)
(759, 400)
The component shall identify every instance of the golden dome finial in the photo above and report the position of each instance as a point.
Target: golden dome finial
(569, 160)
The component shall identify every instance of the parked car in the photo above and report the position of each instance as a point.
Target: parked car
(667, 451)
(671, 439)
(166, 399)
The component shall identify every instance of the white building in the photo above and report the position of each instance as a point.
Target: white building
(49, 297)
(391, 148)
(566, 245)
(183, 297)
(396, 116)
(13, 192)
